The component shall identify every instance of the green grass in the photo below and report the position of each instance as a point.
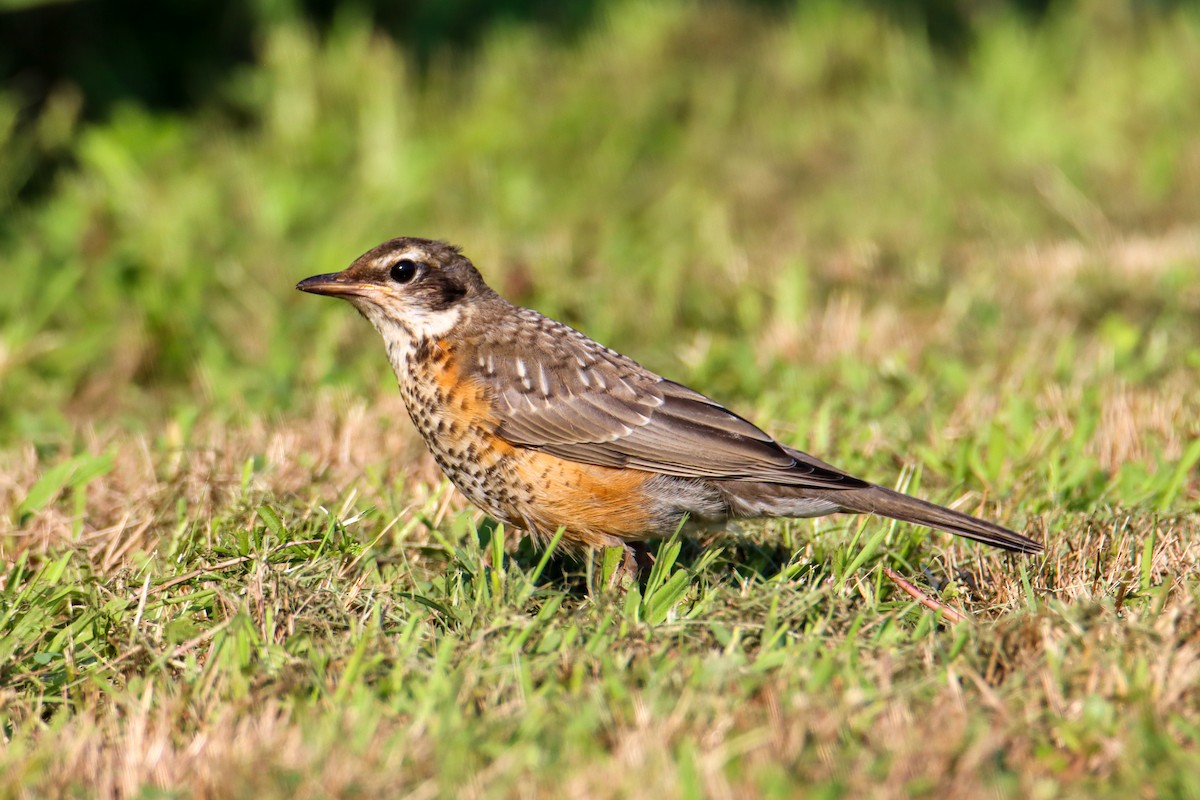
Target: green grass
(230, 570)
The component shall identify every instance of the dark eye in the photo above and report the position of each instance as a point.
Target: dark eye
(404, 271)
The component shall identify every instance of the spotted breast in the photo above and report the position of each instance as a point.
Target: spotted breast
(459, 412)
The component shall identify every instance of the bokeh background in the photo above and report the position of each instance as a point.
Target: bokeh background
(719, 174)
(950, 245)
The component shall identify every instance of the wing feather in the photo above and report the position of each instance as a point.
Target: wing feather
(595, 406)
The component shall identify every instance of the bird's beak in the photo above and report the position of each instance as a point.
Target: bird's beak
(335, 284)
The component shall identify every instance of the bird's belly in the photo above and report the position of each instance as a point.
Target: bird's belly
(476, 461)
(605, 506)
(484, 485)
(596, 506)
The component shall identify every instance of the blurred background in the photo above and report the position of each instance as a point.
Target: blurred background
(804, 196)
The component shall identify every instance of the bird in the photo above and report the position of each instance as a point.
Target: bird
(545, 429)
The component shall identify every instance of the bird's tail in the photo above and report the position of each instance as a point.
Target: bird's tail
(878, 500)
(761, 499)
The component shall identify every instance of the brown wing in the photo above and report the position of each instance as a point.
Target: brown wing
(558, 391)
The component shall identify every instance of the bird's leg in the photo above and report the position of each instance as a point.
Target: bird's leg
(635, 563)
(614, 562)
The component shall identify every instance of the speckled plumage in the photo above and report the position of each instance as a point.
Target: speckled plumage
(542, 427)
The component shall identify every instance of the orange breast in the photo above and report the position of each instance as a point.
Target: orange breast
(598, 506)
(454, 413)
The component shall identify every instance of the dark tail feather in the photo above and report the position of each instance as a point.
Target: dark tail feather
(878, 500)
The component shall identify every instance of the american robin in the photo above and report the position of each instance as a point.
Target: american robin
(542, 427)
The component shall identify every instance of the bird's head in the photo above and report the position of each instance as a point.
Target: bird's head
(406, 286)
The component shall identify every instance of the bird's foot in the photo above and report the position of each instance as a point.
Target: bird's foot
(618, 566)
(635, 564)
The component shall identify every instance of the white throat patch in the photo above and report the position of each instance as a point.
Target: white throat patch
(401, 334)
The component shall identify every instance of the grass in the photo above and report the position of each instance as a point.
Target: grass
(229, 570)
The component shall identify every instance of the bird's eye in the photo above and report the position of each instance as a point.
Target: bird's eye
(404, 271)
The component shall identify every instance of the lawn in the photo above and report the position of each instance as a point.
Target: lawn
(228, 568)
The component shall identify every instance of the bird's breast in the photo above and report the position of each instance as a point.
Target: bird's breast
(453, 413)
(525, 486)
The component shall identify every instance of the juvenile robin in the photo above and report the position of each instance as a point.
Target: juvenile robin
(543, 428)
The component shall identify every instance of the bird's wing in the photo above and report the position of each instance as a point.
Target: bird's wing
(589, 404)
